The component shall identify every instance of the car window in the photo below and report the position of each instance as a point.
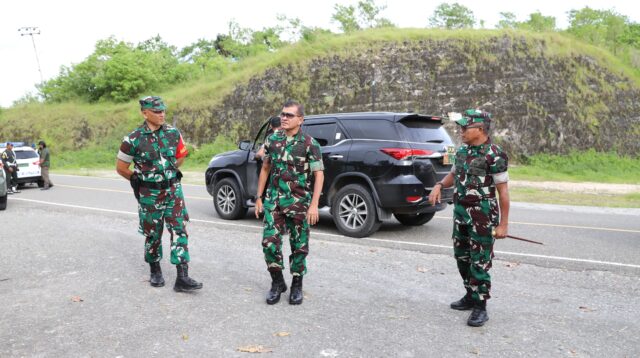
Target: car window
(370, 129)
(262, 135)
(324, 133)
(423, 131)
(26, 154)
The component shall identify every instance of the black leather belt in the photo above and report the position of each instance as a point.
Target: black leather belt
(159, 185)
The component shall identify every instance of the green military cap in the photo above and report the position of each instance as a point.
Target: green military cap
(471, 116)
(152, 102)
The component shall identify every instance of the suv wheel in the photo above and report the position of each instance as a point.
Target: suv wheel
(414, 220)
(227, 200)
(40, 183)
(354, 211)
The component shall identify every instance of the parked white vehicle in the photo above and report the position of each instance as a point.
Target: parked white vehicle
(28, 168)
(3, 188)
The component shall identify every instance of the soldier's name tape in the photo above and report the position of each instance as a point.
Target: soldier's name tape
(320, 233)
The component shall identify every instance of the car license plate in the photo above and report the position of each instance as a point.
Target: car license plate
(28, 173)
(23, 165)
(450, 156)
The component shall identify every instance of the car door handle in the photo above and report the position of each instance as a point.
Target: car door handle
(336, 156)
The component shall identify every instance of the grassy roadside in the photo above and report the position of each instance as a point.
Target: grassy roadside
(533, 195)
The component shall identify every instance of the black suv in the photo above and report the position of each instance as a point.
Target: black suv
(376, 165)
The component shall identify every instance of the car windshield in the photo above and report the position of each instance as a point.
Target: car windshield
(424, 131)
(26, 154)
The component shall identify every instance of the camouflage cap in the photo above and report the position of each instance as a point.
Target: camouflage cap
(471, 116)
(152, 102)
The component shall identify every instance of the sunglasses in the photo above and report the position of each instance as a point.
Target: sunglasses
(288, 115)
(464, 128)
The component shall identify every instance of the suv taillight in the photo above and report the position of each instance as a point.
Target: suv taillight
(404, 153)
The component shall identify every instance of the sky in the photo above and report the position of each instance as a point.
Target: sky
(69, 29)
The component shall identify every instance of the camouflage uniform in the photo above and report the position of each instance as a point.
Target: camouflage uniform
(154, 154)
(288, 197)
(477, 170)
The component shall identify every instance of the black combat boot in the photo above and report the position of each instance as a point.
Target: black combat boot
(156, 279)
(463, 304)
(479, 314)
(295, 297)
(184, 283)
(277, 287)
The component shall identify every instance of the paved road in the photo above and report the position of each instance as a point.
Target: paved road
(384, 296)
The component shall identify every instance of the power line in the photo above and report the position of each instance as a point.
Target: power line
(30, 31)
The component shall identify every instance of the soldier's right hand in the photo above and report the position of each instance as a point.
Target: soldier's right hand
(258, 208)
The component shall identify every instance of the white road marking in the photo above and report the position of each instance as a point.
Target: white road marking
(217, 222)
(437, 216)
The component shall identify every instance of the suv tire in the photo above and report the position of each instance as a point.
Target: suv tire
(354, 211)
(414, 220)
(227, 199)
(40, 183)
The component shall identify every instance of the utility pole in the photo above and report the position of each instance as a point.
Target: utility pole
(30, 31)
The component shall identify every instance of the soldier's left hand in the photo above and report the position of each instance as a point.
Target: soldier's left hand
(312, 215)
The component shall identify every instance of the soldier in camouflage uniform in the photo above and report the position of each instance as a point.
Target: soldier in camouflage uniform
(157, 150)
(291, 157)
(480, 170)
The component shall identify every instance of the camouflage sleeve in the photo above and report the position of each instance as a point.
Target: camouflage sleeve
(127, 150)
(498, 162)
(314, 155)
(267, 149)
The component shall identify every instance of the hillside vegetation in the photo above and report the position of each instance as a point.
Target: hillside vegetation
(549, 93)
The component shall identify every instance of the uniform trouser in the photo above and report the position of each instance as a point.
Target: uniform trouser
(12, 177)
(44, 171)
(156, 207)
(276, 222)
(473, 248)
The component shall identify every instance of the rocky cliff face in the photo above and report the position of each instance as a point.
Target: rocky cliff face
(542, 101)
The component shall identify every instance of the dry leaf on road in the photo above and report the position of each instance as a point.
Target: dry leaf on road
(282, 334)
(76, 299)
(421, 269)
(254, 349)
(185, 337)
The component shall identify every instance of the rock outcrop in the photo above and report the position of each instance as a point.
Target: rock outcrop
(543, 100)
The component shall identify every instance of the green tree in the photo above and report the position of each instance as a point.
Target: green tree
(600, 27)
(507, 21)
(538, 22)
(117, 71)
(631, 36)
(346, 16)
(365, 15)
(452, 16)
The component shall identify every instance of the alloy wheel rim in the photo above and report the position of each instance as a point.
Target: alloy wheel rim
(353, 211)
(226, 199)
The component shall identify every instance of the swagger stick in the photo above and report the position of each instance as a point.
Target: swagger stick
(518, 238)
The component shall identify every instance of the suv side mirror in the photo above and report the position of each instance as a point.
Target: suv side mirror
(245, 145)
